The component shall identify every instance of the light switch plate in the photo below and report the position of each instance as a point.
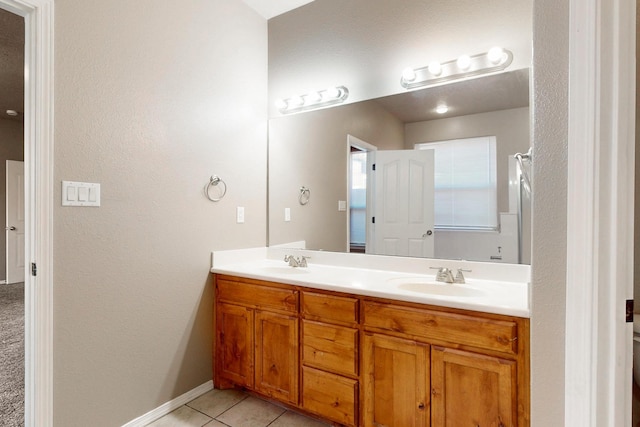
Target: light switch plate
(287, 214)
(240, 215)
(80, 193)
(342, 205)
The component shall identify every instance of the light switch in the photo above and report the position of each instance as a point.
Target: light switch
(83, 194)
(72, 193)
(80, 193)
(240, 215)
(287, 214)
(342, 205)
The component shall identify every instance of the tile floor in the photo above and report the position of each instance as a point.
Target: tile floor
(232, 408)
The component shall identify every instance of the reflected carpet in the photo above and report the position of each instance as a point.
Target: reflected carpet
(12, 355)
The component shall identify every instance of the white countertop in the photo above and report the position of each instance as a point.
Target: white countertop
(490, 288)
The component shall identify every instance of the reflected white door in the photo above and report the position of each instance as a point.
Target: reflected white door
(403, 203)
(15, 252)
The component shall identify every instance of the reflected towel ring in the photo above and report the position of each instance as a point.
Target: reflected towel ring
(213, 182)
(304, 196)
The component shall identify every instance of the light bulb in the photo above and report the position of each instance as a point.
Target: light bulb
(495, 54)
(281, 104)
(435, 68)
(312, 98)
(464, 62)
(333, 93)
(441, 109)
(408, 75)
(295, 101)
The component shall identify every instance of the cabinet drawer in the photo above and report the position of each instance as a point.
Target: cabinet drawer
(258, 296)
(330, 396)
(330, 307)
(329, 347)
(499, 335)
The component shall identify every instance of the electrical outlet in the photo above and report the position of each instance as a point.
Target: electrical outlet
(240, 215)
(287, 214)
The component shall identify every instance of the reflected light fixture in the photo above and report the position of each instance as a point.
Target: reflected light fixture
(12, 113)
(496, 59)
(441, 109)
(312, 100)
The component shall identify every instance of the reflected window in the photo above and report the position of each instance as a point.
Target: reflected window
(358, 201)
(465, 183)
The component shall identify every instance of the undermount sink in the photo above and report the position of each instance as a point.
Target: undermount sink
(425, 286)
(284, 270)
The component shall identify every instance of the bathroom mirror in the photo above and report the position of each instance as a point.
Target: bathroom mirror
(309, 153)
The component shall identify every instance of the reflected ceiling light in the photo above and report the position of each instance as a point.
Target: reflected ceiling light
(12, 113)
(441, 109)
(497, 59)
(312, 100)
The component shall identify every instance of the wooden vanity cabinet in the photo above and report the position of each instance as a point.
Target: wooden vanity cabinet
(362, 361)
(396, 382)
(477, 362)
(470, 389)
(257, 337)
(330, 371)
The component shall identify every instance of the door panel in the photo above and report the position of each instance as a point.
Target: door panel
(403, 203)
(15, 250)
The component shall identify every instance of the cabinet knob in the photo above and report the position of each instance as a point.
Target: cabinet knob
(421, 405)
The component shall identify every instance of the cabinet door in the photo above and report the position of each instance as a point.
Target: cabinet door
(277, 356)
(396, 380)
(470, 389)
(234, 346)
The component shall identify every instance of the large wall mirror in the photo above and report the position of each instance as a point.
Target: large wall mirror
(456, 168)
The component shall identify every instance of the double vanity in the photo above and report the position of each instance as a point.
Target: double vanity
(365, 340)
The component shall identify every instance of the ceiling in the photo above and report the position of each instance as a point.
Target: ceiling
(479, 95)
(11, 65)
(271, 8)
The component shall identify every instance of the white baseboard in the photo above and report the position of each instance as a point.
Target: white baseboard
(171, 405)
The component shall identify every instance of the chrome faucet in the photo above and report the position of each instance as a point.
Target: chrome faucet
(460, 277)
(444, 275)
(296, 262)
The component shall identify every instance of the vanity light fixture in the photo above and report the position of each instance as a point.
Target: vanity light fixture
(496, 59)
(312, 100)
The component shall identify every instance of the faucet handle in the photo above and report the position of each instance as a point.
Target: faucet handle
(303, 260)
(444, 274)
(459, 276)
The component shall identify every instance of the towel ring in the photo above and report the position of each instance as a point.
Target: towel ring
(213, 182)
(304, 196)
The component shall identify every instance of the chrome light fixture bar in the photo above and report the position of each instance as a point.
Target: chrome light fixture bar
(313, 100)
(497, 59)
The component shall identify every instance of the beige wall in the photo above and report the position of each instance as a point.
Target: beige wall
(549, 258)
(152, 98)
(11, 148)
(310, 149)
(510, 127)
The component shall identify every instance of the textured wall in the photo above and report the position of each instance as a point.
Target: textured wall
(549, 258)
(152, 97)
(11, 148)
